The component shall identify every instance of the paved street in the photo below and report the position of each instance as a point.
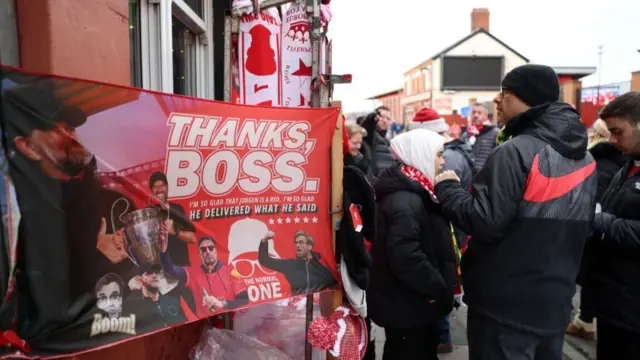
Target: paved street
(458, 332)
(586, 348)
(574, 349)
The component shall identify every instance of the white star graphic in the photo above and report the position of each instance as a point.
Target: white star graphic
(279, 221)
(296, 220)
(288, 220)
(271, 222)
(306, 220)
(314, 220)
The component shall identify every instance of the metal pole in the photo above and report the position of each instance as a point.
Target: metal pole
(315, 27)
(227, 56)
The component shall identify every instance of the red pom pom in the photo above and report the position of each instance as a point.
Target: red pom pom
(323, 333)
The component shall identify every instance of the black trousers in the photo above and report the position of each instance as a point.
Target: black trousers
(490, 340)
(586, 305)
(411, 344)
(615, 343)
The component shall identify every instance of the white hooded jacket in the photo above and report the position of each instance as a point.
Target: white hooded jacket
(418, 148)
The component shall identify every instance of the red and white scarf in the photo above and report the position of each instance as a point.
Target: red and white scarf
(422, 179)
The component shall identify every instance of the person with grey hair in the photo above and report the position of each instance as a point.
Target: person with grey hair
(486, 138)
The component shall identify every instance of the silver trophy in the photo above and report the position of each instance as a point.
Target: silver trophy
(144, 233)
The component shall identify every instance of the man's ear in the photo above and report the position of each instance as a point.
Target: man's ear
(24, 147)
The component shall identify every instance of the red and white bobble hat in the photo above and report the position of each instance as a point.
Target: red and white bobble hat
(344, 334)
(429, 119)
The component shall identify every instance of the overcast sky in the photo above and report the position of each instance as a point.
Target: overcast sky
(378, 40)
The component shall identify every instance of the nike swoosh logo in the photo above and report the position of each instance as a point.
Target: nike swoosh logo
(541, 188)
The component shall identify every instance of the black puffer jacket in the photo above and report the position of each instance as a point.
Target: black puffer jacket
(458, 157)
(413, 259)
(379, 155)
(529, 215)
(608, 161)
(614, 269)
(361, 162)
(484, 145)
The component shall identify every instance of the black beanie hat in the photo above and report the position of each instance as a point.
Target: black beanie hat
(533, 84)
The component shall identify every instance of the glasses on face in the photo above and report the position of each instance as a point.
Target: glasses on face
(247, 267)
(209, 248)
(154, 271)
(300, 242)
(102, 298)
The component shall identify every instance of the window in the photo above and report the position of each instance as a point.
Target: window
(184, 56)
(9, 51)
(134, 41)
(176, 49)
(196, 6)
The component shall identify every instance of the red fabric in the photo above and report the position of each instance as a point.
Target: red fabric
(416, 175)
(426, 114)
(345, 138)
(222, 284)
(10, 339)
(473, 130)
(325, 333)
(367, 244)
(634, 170)
(479, 127)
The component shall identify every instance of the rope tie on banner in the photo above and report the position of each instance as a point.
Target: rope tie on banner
(10, 339)
(333, 212)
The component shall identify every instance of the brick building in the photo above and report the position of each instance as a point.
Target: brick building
(392, 100)
(468, 71)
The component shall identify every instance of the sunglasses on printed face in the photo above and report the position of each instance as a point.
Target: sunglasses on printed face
(154, 270)
(209, 248)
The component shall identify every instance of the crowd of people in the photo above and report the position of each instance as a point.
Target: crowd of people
(505, 220)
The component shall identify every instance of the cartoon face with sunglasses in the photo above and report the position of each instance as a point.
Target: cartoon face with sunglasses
(247, 263)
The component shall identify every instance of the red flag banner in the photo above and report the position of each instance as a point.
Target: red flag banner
(141, 211)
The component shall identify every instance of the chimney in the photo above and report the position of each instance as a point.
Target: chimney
(480, 19)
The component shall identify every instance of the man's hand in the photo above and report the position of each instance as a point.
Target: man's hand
(135, 283)
(168, 223)
(269, 236)
(446, 175)
(602, 221)
(118, 239)
(111, 246)
(212, 303)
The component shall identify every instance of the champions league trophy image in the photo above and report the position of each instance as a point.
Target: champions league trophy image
(144, 232)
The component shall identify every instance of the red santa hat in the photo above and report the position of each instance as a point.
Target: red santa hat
(344, 334)
(429, 119)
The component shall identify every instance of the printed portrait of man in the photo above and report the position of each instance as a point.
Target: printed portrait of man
(154, 309)
(61, 202)
(109, 290)
(215, 285)
(178, 226)
(306, 273)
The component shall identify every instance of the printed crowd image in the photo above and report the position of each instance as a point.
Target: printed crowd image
(131, 252)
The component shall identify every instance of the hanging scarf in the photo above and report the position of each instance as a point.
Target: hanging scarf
(502, 136)
(417, 176)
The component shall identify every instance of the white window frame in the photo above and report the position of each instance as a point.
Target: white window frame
(156, 42)
(9, 48)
